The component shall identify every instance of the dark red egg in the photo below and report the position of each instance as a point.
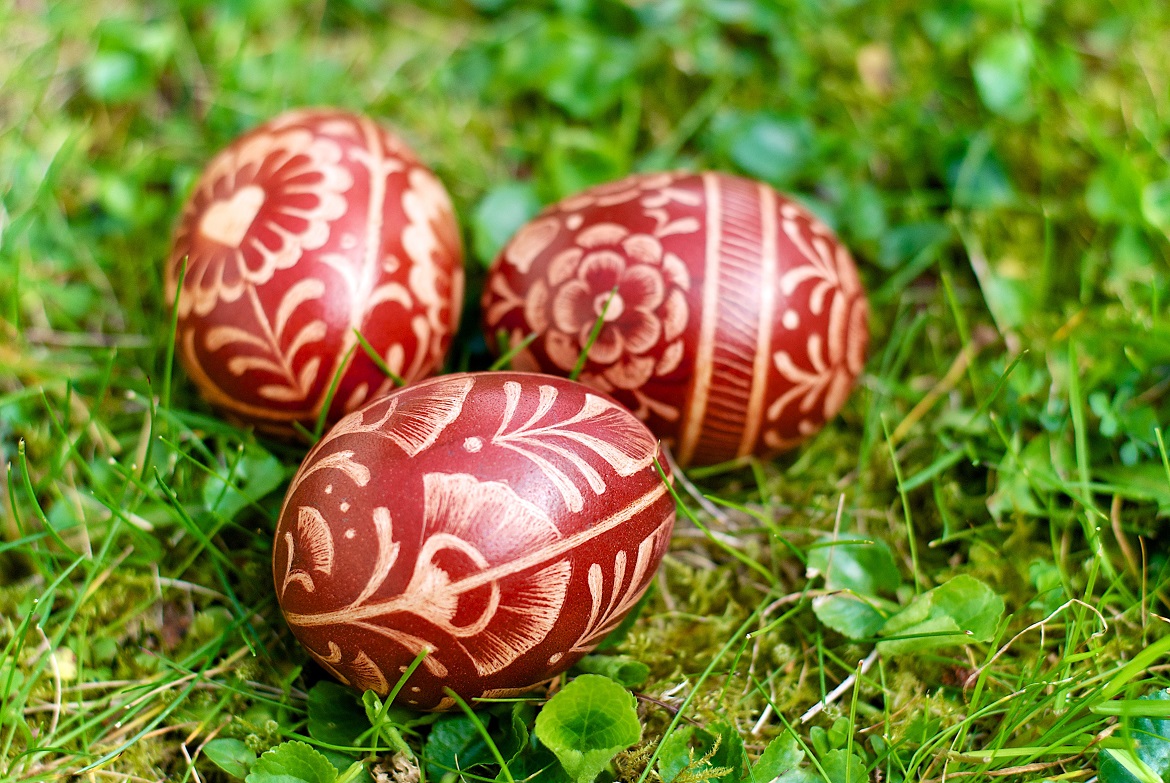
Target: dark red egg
(311, 228)
(502, 522)
(734, 321)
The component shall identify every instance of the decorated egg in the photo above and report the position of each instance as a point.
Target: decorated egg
(310, 230)
(726, 316)
(488, 528)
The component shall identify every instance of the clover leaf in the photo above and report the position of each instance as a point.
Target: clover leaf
(587, 723)
(292, 762)
(961, 611)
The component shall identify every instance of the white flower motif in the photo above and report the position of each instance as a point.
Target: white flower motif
(259, 206)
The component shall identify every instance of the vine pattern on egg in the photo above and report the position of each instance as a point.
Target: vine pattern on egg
(531, 554)
(263, 207)
(834, 366)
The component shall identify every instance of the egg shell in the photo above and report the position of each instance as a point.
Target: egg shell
(738, 325)
(505, 522)
(309, 227)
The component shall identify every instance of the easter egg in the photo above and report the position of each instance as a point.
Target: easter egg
(306, 232)
(723, 314)
(487, 528)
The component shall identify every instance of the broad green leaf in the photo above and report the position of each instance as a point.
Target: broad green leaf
(1156, 205)
(772, 147)
(781, 762)
(691, 753)
(587, 723)
(231, 755)
(1147, 752)
(349, 768)
(624, 670)
(1115, 193)
(498, 216)
(850, 563)
(336, 714)
(978, 179)
(1003, 74)
(292, 762)
(849, 615)
(961, 611)
(455, 743)
(841, 766)
(511, 734)
(255, 475)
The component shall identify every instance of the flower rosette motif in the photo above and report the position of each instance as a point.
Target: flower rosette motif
(722, 313)
(313, 228)
(621, 280)
(257, 209)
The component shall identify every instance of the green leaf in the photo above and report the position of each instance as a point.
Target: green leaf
(498, 216)
(903, 244)
(691, 754)
(1115, 193)
(1003, 74)
(384, 722)
(851, 563)
(344, 763)
(961, 611)
(336, 714)
(626, 671)
(455, 743)
(292, 762)
(781, 763)
(978, 179)
(587, 723)
(841, 766)
(772, 147)
(782, 754)
(849, 615)
(1147, 751)
(1156, 205)
(231, 755)
(512, 735)
(254, 475)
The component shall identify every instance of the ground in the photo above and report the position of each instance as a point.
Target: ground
(999, 169)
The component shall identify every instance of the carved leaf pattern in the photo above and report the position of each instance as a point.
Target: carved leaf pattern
(279, 346)
(458, 506)
(317, 546)
(622, 443)
(367, 675)
(387, 555)
(834, 364)
(607, 612)
(491, 604)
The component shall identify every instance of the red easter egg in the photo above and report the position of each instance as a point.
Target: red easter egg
(734, 321)
(309, 229)
(503, 522)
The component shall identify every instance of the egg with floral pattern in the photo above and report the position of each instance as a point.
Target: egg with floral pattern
(722, 313)
(314, 228)
(479, 532)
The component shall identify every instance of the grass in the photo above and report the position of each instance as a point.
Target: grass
(1000, 170)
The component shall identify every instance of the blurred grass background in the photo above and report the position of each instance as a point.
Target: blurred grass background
(999, 168)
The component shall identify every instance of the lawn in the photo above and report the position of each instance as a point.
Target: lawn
(965, 576)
